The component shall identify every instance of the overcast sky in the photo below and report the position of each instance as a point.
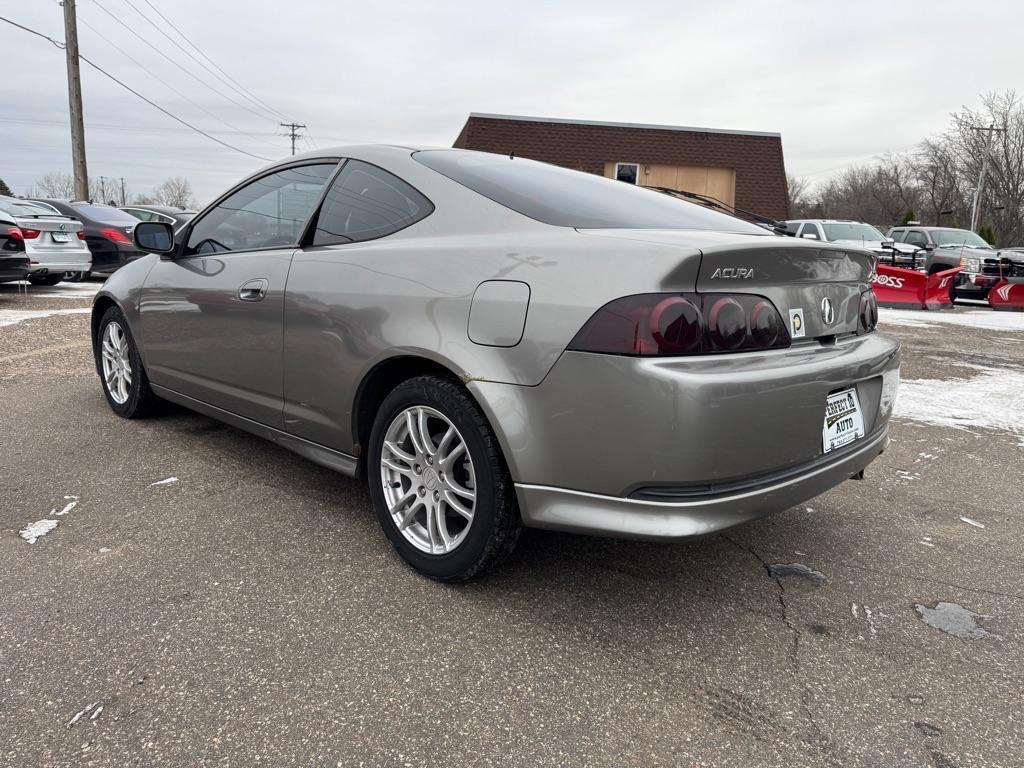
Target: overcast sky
(843, 82)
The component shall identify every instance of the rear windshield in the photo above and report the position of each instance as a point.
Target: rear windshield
(104, 213)
(567, 198)
(25, 208)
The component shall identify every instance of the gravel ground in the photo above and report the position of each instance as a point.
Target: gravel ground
(251, 612)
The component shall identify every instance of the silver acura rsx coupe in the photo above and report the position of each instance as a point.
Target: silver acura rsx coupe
(493, 342)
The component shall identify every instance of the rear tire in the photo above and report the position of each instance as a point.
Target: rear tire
(45, 279)
(129, 398)
(433, 485)
(77, 277)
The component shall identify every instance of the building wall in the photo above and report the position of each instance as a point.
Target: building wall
(756, 160)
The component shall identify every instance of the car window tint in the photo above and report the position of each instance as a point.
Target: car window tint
(271, 211)
(565, 198)
(104, 213)
(916, 238)
(366, 202)
(810, 229)
(24, 208)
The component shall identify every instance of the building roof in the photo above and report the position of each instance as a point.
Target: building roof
(608, 124)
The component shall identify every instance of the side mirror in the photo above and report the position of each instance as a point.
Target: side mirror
(809, 235)
(890, 244)
(153, 237)
(930, 247)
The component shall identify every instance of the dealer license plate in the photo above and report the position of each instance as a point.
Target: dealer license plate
(844, 420)
(60, 237)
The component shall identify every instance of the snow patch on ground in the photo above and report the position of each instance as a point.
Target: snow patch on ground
(168, 481)
(972, 318)
(15, 316)
(72, 502)
(38, 529)
(992, 400)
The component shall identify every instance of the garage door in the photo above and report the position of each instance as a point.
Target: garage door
(719, 183)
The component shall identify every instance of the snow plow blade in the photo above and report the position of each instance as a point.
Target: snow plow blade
(909, 289)
(1008, 293)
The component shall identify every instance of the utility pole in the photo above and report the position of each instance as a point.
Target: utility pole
(103, 189)
(78, 165)
(124, 201)
(293, 132)
(976, 203)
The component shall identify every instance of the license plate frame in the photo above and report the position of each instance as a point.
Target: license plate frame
(844, 420)
(60, 237)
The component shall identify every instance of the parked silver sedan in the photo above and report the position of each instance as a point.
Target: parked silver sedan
(494, 342)
(55, 244)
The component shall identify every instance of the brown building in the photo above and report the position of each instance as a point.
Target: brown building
(741, 168)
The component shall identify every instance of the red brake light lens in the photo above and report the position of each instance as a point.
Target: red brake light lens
(16, 234)
(868, 311)
(116, 235)
(81, 234)
(682, 324)
(29, 234)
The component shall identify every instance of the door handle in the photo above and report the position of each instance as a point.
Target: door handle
(253, 290)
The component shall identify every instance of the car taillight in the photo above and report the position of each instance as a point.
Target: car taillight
(682, 324)
(115, 235)
(28, 234)
(16, 234)
(868, 312)
(81, 234)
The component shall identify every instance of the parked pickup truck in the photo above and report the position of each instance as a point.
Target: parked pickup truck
(949, 248)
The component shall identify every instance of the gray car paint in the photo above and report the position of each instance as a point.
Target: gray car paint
(573, 422)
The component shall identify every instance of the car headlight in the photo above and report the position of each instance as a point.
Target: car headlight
(971, 265)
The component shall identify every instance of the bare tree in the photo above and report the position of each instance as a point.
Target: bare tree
(176, 191)
(800, 201)
(56, 185)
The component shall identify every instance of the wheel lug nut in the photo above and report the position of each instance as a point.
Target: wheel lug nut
(430, 459)
(422, 490)
(436, 495)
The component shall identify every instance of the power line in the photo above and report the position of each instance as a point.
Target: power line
(167, 85)
(242, 89)
(188, 72)
(131, 90)
(293, 132)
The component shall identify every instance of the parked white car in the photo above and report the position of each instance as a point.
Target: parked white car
(55, 244)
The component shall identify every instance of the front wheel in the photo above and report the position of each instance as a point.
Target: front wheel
(125, 383)
(439, 483)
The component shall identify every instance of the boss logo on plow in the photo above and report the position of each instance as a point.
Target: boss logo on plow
(732, 273)
(892, 282)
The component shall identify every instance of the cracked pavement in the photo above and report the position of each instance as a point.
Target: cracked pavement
(253, 612)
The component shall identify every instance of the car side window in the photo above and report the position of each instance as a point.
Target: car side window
(366, 202)
(269, 212)
(916, 238)
(896, 234)
(810, 229)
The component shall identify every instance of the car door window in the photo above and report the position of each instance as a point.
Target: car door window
(366, 202)
(810, 229)
(269, 212)
(896, 234)
(916, 238)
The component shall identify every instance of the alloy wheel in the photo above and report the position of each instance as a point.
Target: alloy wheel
(428, 480)
(117, 367)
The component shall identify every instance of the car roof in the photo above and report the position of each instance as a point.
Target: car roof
(825, 221)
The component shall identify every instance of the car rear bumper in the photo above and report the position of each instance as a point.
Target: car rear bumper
(59, 267)
(642, 518)
(688, 445)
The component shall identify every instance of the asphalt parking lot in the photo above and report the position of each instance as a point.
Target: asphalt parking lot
(211, 599)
